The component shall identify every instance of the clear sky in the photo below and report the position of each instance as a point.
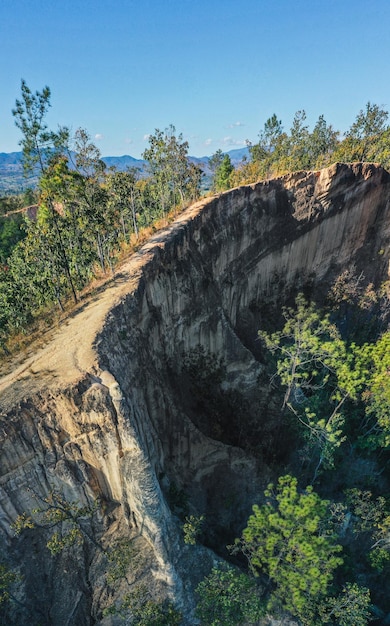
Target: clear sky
(216, 69)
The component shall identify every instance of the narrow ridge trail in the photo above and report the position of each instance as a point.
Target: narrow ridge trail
(70, 350)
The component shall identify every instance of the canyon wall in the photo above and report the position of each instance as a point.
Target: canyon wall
(109, 410)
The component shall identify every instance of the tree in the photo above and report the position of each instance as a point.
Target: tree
(146, 611)
(11, 225)
(125, 197)
(159, 166)
(151, 613)
(42, 147)
(11, 232)
(318, 373)
(38, 143)
(194, 181)
(173, 177)
(369, 123)
(377, 389)
(269, 137)
(286, 540)
(363, 141)
(122, 558)
(371, 525)
(18, 284)
(350, 608)
(214, 164)
(227, 597)
(192, 528)
(99, 221)
(7, 579)
(67, 518)
(222, 174)
(51, 224)
(271, 152)
(37, 280)
(322, 142)
(298, 143)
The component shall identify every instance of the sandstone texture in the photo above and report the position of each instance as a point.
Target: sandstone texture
(107, 409)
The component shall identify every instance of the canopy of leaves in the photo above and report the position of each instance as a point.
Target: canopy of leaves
(287, 541)
(350, 608)
(227, 597)
(318, 374)
(146, 611)
(377, 392)
(173, 178)
(278, 152)
(221, 179)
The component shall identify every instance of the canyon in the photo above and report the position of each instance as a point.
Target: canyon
(150, 400)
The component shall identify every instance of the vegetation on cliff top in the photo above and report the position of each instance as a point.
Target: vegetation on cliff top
(86, 217)
(279, 152)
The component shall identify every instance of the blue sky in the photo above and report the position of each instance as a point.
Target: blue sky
(216, 70)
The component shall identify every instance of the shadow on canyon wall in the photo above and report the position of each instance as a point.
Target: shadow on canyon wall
(179, 417)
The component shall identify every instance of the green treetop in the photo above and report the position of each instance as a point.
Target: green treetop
(286, 541)
(222, 174)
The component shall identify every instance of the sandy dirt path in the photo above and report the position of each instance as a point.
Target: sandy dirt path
(69, 352)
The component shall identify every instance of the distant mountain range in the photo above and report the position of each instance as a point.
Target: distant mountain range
(12, 179)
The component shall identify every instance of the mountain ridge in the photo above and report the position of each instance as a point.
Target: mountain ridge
(12, 178)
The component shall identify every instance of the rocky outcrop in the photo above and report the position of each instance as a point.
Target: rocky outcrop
(110, 408)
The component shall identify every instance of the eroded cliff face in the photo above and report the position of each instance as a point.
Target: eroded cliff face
(110, 409)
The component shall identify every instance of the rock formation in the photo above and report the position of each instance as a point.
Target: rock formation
(119, 405)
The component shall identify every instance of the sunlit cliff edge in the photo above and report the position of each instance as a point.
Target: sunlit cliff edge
(99, 412)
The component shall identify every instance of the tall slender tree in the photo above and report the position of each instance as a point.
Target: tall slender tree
(41, 148)
(38, 142)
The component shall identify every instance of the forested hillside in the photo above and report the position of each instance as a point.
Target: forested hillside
(85, 214)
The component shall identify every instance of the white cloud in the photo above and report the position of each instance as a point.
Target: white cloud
(128, 140)
(208, 142)
(229, 141)
(236, 125)
(98, 137)
(146, 137)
